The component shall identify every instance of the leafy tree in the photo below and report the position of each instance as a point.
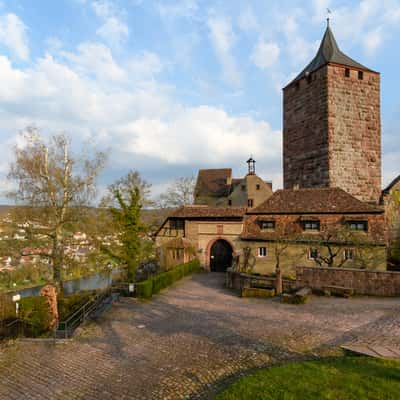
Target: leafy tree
(55, 188)
(179, 193)
(133, 244)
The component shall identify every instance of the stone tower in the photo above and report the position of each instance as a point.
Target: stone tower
(331, 125)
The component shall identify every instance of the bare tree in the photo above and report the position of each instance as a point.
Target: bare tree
(124, 186)
(56, 187)
(179, 193)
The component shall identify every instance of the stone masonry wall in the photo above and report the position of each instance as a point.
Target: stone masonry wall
(305, 134)
(372, 283)
(354, 132)
(332, 132)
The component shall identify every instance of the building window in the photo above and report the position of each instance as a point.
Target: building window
(348, 254)
(297, 85)
(311, 225)
(358, 225)
(267, 225)
(258, 186)
(243, 187)
(309, 78)
(250, 202)
(177, 224)
(229, 202)
(313, 254)
(262, 252)
(360, 75)
(347, 72)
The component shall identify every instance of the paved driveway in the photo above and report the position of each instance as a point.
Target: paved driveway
(187, 341)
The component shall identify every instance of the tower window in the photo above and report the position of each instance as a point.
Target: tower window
(347, 72)
(360, 75)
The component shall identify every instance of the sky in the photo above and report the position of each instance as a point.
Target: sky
(170, 86)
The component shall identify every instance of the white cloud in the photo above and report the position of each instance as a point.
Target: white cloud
(13, 35)
(147, 65)
(223, 39)
(265, 54)
(178, 8)
(140, 118)
(247, 21)
(372, 41)
(95, 58)
(113, 30)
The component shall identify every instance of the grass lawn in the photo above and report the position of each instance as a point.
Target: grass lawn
(345, 378)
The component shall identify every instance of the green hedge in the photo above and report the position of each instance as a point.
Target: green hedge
(35, 312)
(144, 289)
(152, 286)
(69, 304)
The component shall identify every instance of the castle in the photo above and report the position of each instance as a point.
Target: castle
(329, 211)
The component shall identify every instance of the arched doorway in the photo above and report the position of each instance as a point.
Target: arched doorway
(220, 256)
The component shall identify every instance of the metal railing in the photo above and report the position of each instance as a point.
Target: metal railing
(66, 328)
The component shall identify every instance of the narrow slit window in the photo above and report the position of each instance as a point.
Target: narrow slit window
(347, 72)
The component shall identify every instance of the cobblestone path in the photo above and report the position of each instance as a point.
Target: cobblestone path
(185, 340)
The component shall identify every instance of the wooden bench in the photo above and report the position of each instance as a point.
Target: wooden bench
(340, 291)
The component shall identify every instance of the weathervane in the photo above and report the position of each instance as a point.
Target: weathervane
(329, 12)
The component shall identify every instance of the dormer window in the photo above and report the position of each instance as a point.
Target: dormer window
(267, 225)
(361, 226)
(311, 225)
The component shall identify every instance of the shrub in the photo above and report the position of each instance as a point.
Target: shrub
(35, 312)
(69, 304)
(7, 308)
(152, 286)
(144, 289)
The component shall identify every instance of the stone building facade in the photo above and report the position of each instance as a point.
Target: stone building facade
(331, 125)
(306, 226)
(202, 230)
(216, 187)
(328, 213)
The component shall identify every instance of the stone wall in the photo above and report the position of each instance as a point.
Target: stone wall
(354, 132)
(373, 283)
(305, 133)
(332, 132)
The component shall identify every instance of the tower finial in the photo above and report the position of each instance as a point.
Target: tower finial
(328, 11)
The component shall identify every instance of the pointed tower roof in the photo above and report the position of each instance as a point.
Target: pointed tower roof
(328, 52)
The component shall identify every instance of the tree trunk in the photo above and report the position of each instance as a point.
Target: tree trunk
(278, 281)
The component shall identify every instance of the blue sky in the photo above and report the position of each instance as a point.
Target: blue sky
(168, 87)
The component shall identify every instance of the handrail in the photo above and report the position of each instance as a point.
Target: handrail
(82, 313)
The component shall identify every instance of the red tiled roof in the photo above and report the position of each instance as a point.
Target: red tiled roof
(313, 200)
(209, 212)
(213, 182)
